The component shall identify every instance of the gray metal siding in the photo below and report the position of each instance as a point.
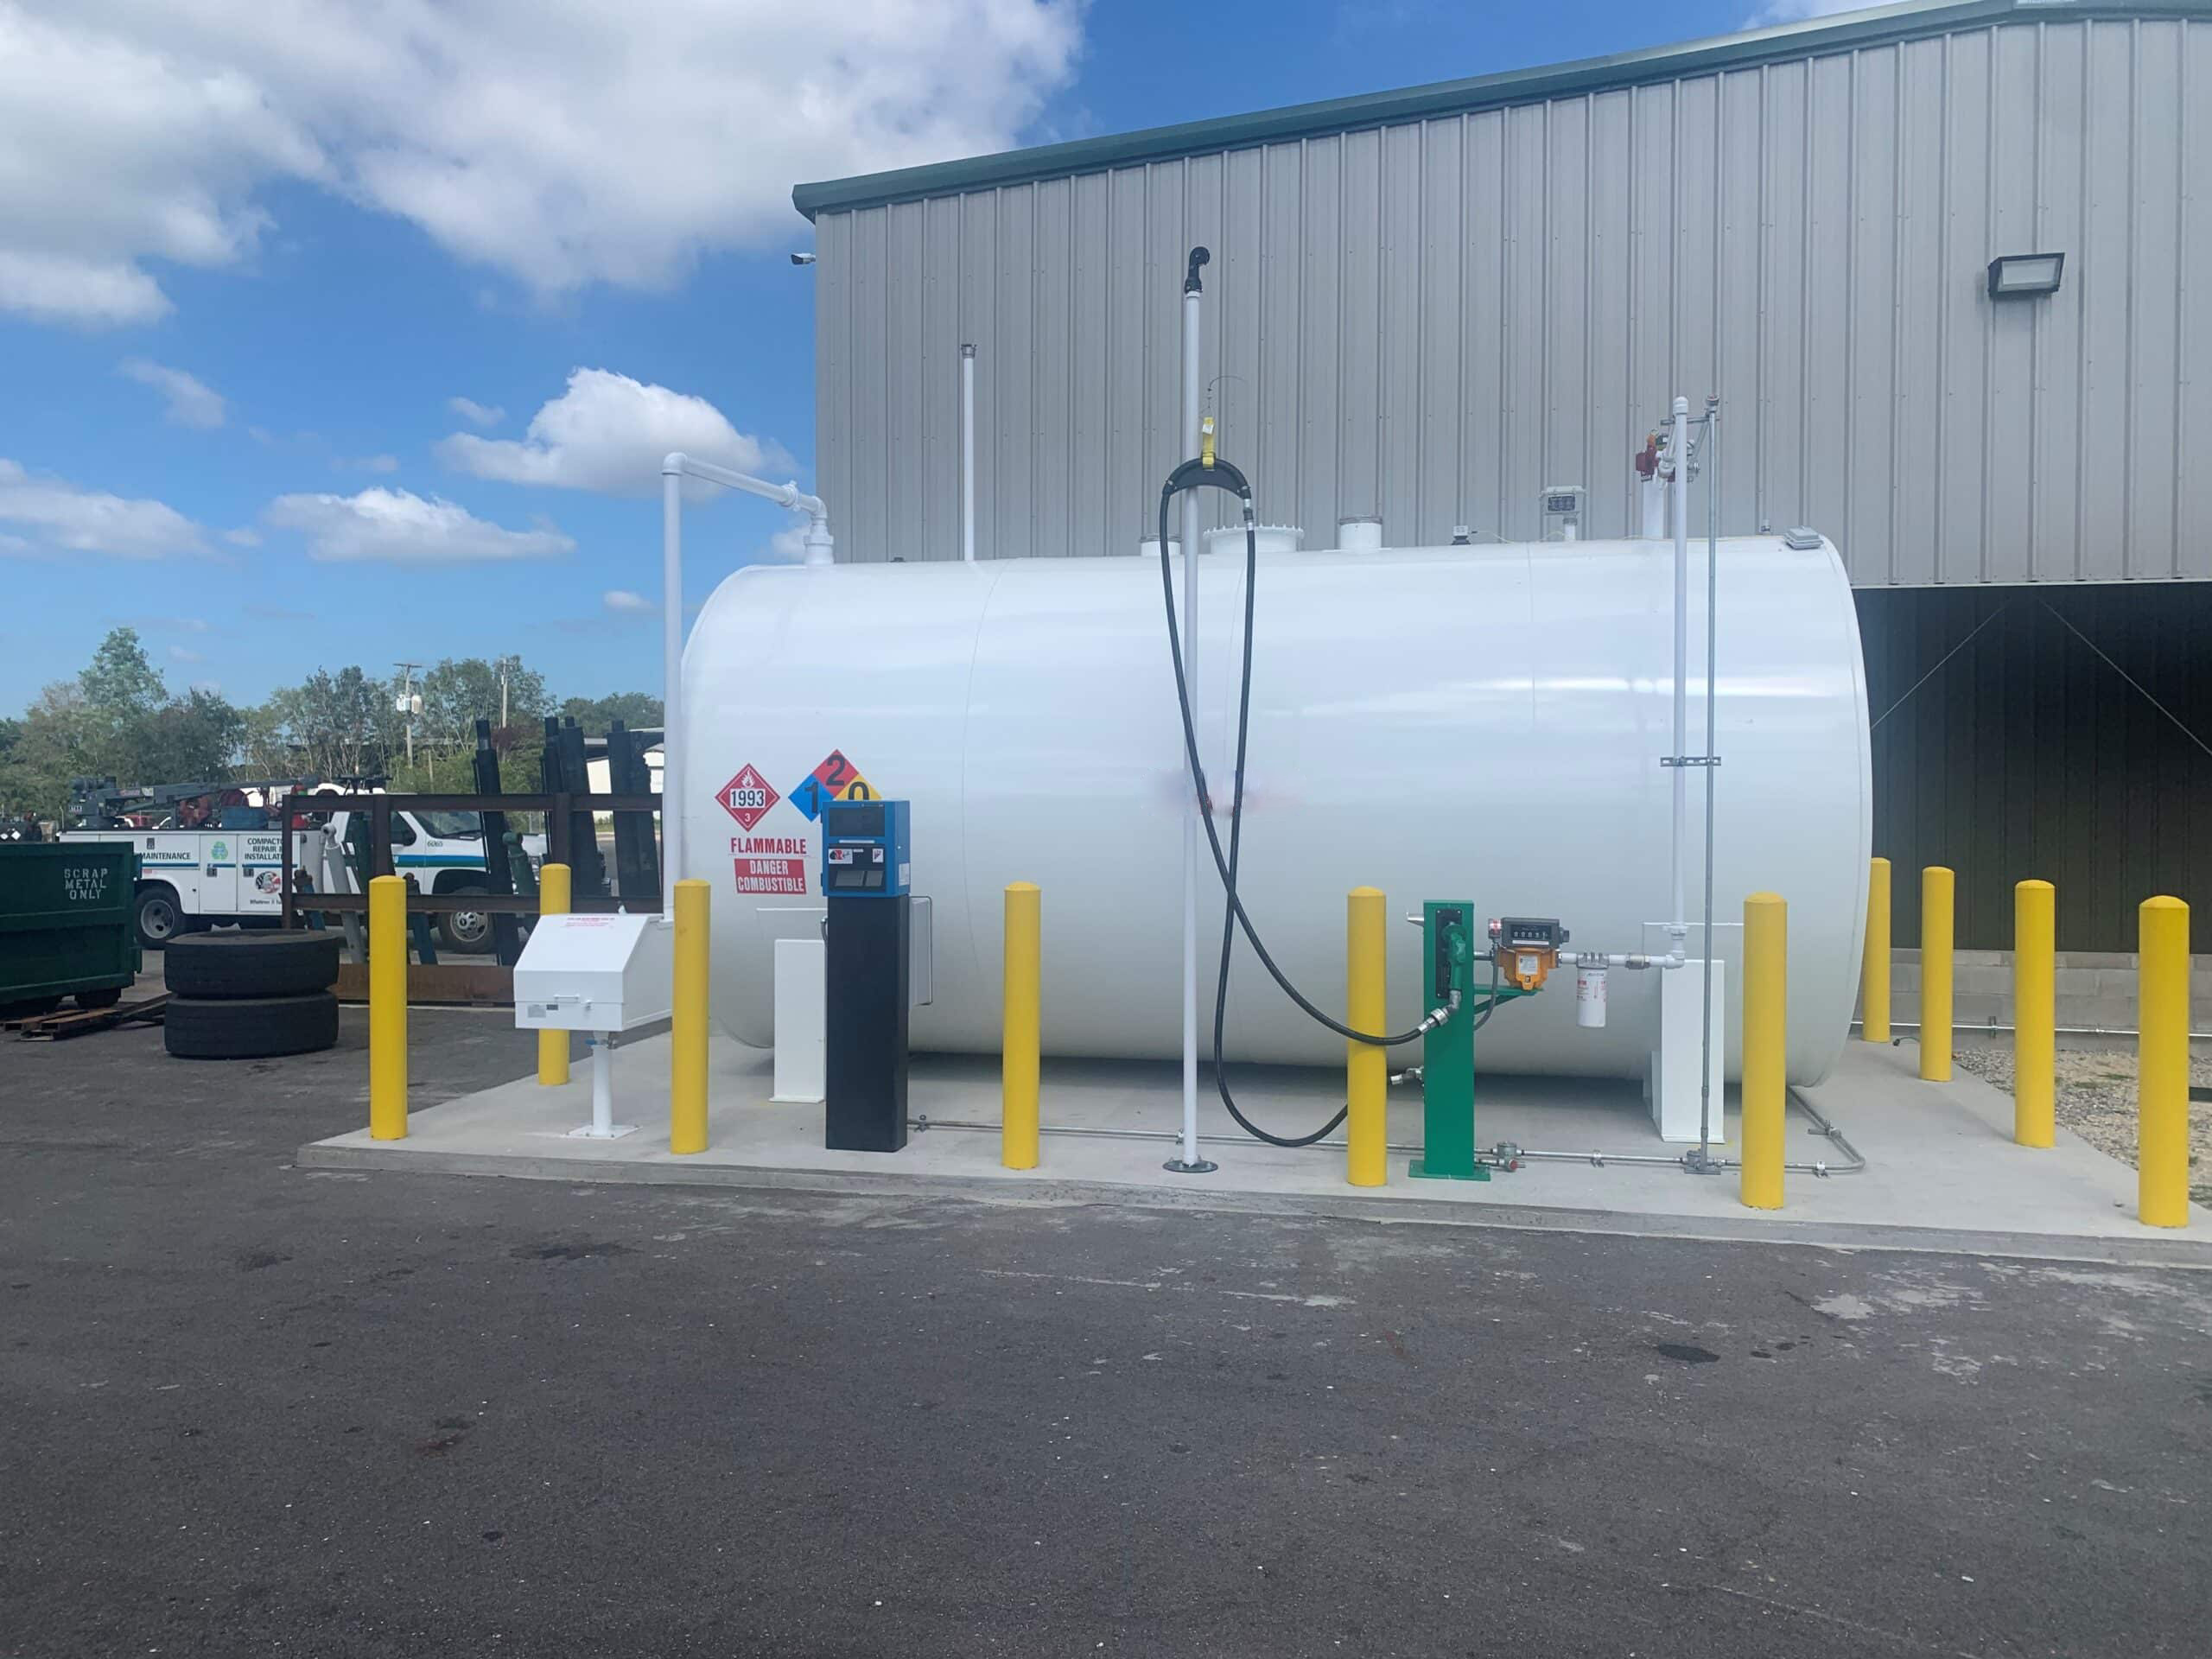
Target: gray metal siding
(1433, 320)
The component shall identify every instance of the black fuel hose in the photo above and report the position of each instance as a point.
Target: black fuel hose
(1220, 475)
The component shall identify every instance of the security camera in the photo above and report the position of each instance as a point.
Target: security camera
(802, 258)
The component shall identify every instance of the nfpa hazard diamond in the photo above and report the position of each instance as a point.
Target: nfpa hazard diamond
(747, 798)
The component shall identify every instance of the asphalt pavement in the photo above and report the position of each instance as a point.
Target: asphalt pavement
(247, 1409)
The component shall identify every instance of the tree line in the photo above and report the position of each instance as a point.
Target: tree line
(119, 718)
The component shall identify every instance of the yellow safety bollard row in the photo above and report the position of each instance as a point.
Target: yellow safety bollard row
(1936, 936)
(1766, 1047)
(1367, 1067)
(387, 1008)
(687, 1033)
(1021, 1037)
(2034, 1014)
(2162, 1063)
(1874, 964)
(553, 1046)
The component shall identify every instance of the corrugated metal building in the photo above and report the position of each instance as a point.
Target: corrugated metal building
(1429, 305)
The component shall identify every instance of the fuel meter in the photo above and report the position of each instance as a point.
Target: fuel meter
(1526, 948)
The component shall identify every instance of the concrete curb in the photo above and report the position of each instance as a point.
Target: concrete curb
(2187, 1253)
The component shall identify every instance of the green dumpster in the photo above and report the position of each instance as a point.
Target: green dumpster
(65, 922)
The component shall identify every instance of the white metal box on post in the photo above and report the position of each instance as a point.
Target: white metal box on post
(603, 974)
(596, 973)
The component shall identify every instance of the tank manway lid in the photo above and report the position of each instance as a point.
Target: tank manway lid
(1271, 538)
(1802, 540)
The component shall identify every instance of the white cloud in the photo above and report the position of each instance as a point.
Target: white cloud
(399, 527)
(476, 413)
(243, 536)
(192, 401)
(608, 432)
(622, 600)
(172, 624)
(180, 654)
(61, 516)
(1798, 11)
(558, 141)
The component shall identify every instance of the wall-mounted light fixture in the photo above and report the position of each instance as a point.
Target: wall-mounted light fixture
(2025, 275)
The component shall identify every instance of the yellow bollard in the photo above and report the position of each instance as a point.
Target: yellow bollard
(687, 1031)
(1936, 885)
(553, 1046)
(1367, 1068)
(2035, 1013)
(2161, 1064)
(1874, 965)
(388, 1008)
(1766, 1047)
(1021, 1037)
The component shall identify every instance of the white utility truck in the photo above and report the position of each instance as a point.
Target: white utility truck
(212, 854)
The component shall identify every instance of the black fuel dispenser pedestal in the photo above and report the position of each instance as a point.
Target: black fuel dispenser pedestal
(867, 963)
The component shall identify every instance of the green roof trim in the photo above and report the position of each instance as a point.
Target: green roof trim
(1827, 34)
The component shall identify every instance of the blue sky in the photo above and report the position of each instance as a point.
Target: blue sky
(265, 259)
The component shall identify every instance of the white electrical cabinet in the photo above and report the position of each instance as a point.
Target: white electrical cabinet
(596, 973)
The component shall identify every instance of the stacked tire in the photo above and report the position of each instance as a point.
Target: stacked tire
(251, 995)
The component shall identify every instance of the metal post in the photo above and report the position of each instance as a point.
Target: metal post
(687, 1085)
(1367, 1068)
(1021, 1041)
(552, 1045)
(1678, 484)
(1766, 1047)
(672, 648)
(387, 1008)
(1188, 1162)
(1935, 889)
(1874, 963)
(602, 1087)
(2162, 1063)
(2034, 1014)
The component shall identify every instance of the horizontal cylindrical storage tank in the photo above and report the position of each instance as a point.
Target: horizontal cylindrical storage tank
(1475, 723)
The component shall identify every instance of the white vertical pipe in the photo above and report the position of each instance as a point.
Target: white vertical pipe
(967, 453)
(1191, 825)
(1712, 763)
(1679, 496)
(671, 647)
(602, 1088)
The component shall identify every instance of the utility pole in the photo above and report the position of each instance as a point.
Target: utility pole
(503, 693)
(407, 705)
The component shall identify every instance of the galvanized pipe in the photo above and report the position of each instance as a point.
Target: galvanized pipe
(1712, 764)
(1502, 1151)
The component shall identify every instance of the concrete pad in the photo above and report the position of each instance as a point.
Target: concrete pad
(1941, 1171)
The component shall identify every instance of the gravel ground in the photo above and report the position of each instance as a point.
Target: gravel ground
(2096, 1100)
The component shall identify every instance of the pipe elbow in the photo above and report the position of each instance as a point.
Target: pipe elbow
(672, 464)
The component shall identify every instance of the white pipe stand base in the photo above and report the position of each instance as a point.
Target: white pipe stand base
(1677, 1064)
(602, 1126)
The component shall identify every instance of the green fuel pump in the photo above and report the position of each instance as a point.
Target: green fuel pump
(1521, 951)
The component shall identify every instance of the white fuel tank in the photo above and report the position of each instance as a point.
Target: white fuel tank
(1480, 723)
